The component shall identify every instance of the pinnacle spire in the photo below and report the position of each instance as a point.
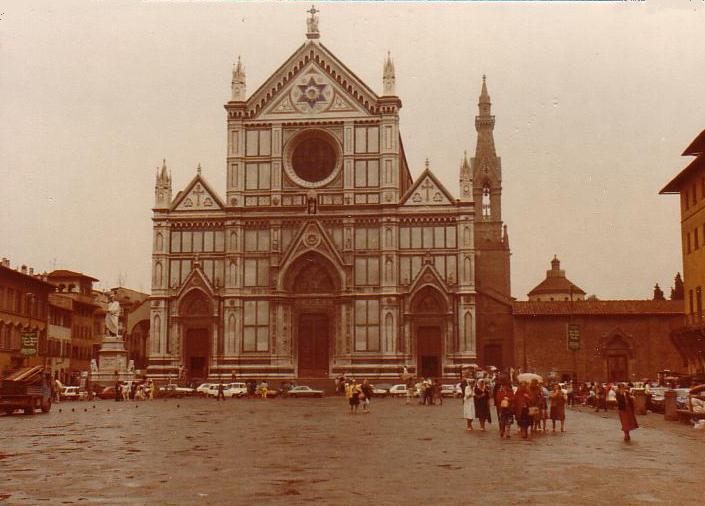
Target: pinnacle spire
(239, 81)
(198, 169)
(484, 96)
(388, 76)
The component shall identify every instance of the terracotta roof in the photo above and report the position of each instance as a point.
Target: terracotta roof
(697, 147)
(63, 273)
(557, 284)
(674, 185)
(599, 307)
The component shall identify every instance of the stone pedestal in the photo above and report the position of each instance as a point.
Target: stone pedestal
(112, 363)
(639, 401)
(670, 408)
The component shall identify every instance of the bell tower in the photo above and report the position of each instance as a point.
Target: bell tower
(492, 275)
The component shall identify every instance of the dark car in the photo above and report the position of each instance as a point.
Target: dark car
(304, 391)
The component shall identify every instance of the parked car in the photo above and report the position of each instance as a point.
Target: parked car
(73, 394)
(449, 390)
(657, 399)
(399, 390)
(233, 390)
(107, 392)
(202, 389)
(304, 391)
(381, 389)
(173, 390)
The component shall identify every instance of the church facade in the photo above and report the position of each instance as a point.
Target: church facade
(325, 256)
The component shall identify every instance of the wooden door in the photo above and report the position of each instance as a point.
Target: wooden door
(197, 353)
(429, 351)
(313, 345)
(617, 369)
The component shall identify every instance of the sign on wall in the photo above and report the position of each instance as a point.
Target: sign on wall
(29, 343)
(573, 336)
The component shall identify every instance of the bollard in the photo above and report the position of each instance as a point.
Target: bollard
(670, 409)
(639, 401)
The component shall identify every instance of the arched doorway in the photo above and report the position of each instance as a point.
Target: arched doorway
(196, 314)
(617, 353)
(428, 310)
(312, 282)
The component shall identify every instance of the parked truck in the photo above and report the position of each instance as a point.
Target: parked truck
(27, 389)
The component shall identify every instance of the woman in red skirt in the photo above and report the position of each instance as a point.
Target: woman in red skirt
(625, 407)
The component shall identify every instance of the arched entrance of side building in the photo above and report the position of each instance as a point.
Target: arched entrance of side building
(196, 328)
(313, 283)
(617, 350)
(428, 314)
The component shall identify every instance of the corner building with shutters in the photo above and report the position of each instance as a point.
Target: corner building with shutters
(325, 257)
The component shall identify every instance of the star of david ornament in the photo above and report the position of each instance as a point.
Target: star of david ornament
(311, 92)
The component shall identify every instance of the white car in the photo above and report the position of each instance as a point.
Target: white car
(449, 390)
(73, 394)
(398, 390)
(233, 390)
(203, 389)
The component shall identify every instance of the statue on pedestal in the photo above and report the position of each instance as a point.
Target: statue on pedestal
(112, 317)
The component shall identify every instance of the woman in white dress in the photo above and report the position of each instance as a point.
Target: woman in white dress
(469, 404)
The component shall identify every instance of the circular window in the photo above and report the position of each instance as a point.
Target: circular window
(312, 158)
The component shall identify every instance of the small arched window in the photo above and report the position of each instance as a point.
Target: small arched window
(486, 210)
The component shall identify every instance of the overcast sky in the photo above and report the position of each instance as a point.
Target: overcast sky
(594, 103)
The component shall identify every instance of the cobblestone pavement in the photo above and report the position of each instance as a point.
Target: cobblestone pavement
(299, 451)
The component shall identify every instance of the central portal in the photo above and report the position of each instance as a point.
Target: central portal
(313, 345)
(196, 354)
(429, 352)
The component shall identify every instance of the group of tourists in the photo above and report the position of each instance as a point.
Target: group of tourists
(530, 405)
(133, 390)
(358, 393)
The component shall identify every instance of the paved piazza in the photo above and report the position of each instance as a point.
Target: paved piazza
(299, 451)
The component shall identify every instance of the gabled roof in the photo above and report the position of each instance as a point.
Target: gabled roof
(433, 195)
(599, 307)
(197, 196)
(428, 275)
(64, 273)
(196, 279)
(695, 148)
(675, 184)
(310, 237)
(293, 67)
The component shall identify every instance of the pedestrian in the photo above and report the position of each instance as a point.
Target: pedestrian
(56, 390)
(469, 405)
(152, 388)
(535, 399)
(544, 405)
(366, 395)
(263, 389)
(569, 392)
(221, 391)
(625, 406)
(352, 392)
(522, 399)
(438, 392)
(482, 404)
(118, 391)
(504, 401)
(558, 401)
(600, 397)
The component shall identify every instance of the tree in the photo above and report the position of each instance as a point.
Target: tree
(658, 293)
(677, 292)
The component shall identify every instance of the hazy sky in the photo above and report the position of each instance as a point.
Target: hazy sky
(594, 103)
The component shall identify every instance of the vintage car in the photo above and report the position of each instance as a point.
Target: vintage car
(304, 391)
(72, 394)
(173, 390)
(381, 389)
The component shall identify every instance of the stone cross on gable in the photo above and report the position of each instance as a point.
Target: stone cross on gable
(198, 191)
(427, 186)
